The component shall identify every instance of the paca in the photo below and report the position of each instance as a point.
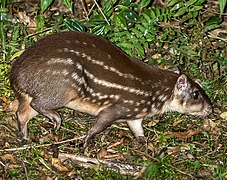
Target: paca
(89, 74)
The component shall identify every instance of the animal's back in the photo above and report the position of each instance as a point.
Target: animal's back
(75, 61)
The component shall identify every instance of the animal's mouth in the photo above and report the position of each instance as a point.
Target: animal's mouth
(202, 114)
(206, 112)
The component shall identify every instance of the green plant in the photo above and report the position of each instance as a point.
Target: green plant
(222, 5)
(159, 170)
(10, 43)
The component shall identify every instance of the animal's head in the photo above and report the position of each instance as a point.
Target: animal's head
(189, 98)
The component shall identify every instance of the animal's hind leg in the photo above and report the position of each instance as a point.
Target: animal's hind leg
(49, 113)
(105, 118)
(24, 113)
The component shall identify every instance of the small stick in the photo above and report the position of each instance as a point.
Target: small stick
(102, 12)
(42, 145)
(87, 162)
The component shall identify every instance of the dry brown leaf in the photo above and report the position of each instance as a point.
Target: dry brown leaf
(184, 135)
(190, 156)
(151, 147)
(54, 161)
(45, 154)
(49, 178)
(46, 137)
(165, 46)
(116, 144)
(71, 173)
(162, 155)
(13, 166)
(175, 123)
(209, 125)
(10, 122)
(57, 164)
(173, 150)
(117, 156)
(102, 152)
(23, 18)
(204, 173)
(13, 106)
(9, 157)
(153, 123)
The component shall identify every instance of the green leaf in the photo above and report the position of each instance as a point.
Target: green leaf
(190, 2)
(40, 22)
(130, 16)
(126, 45)
(74, 25)
(68, 4)
(17, 54)
(137, 33)
(146, 24)
(152, 171)
(157, 12)
(181, 11)
(171, 3)
(15, 33)
(95, 20)
(140, 49)
(120, 21)
(146, 17)
(211, 27)
(195, 14)
(213, 20)
(152, 14)
(222, 4)
(199, 2)
(2, 35)
(120, 7)
(177, 6)
(126, 2)
(45, 4)
(119, 36)
(108, 6)
(196, 8)
(141, 28)
(98, 30)
(145, 3)
(150, 37)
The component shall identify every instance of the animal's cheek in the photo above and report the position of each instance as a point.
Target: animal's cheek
(194, 106)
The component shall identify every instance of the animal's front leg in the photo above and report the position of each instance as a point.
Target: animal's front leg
(137, 129)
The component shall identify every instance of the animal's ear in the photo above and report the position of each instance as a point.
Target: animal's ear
(182, 83)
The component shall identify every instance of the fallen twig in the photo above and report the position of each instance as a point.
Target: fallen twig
(42, 145)
(122, 168)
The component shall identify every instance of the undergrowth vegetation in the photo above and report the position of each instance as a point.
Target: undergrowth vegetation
(170, 34)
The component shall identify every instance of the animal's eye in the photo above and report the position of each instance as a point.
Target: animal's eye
(195, 94)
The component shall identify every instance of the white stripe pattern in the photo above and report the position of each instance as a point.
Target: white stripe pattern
(67, 61)
(101, 63)
(114, 85)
